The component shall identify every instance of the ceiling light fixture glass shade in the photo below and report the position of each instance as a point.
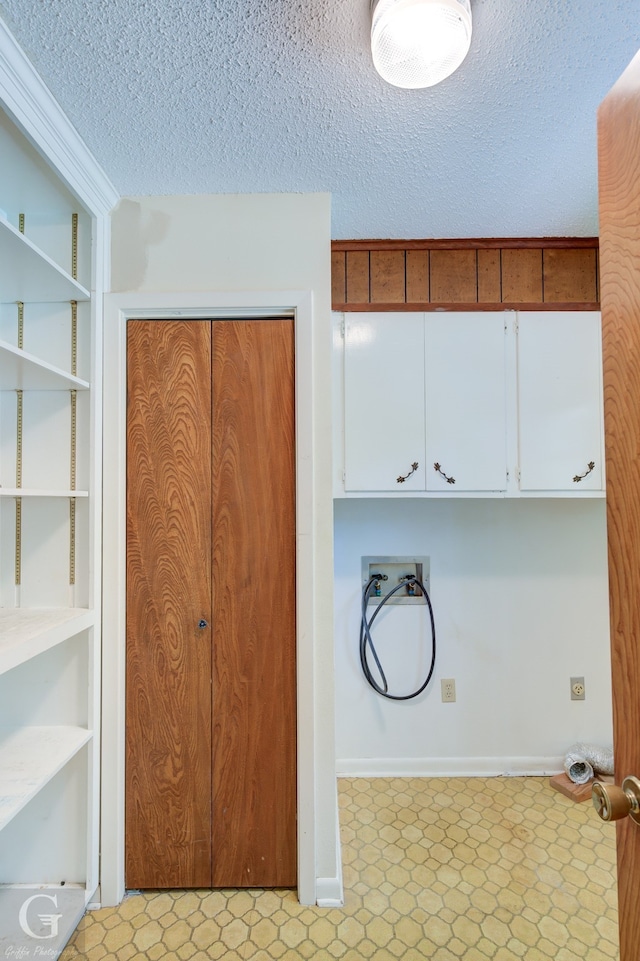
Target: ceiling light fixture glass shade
(417, 43)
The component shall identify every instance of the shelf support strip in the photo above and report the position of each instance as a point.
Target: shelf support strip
(18, 552)
(74, 246)
(74, 338)
(74, 408)
(72, 486)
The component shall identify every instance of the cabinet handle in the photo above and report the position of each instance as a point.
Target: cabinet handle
(438, 470)
(579, 477)
(403, 477)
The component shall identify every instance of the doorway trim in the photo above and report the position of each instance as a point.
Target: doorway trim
(119, 309)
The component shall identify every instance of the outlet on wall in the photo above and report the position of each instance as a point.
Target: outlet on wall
(577, 688)
(448, 689)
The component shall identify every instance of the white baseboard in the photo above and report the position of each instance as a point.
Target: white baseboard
(449, 766)
(330, 891)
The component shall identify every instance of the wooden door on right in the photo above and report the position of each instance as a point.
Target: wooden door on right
(619, 213)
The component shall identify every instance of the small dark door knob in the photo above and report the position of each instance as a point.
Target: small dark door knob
(202, 624)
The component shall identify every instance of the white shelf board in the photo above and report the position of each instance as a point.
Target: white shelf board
(22, 371)
(37, 492)
(26, 633)
(29, 758)
(28, 274)
(71, 899)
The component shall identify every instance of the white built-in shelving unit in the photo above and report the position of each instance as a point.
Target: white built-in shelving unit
(54, 204)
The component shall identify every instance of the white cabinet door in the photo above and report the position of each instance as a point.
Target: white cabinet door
(560, 401)
(465, 401)
(384, 402)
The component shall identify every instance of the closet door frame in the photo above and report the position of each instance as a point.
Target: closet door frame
(119, 309)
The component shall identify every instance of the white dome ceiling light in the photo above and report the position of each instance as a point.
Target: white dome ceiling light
(417, 43)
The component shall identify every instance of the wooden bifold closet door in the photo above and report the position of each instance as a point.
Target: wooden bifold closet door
(211, 686)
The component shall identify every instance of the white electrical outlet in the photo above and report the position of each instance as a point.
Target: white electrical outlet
(448, 689)
(577, 688)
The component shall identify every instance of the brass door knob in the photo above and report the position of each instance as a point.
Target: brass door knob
(613, 803)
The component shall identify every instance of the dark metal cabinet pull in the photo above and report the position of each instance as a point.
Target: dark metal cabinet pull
(402, 478)
(579, 477)
(438, 470)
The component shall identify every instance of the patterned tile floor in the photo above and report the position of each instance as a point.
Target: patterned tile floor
(499, 868)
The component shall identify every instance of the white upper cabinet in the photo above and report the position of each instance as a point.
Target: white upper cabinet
(475, 404)
(425, 402)
(560, 431)
(465, 401)
(384, 402)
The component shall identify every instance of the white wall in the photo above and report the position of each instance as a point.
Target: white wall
(520, 594)
(235, 242)
(241, 251)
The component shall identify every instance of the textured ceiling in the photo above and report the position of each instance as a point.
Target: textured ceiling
(236, 96)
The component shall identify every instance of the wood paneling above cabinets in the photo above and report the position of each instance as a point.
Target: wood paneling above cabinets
(556, 273)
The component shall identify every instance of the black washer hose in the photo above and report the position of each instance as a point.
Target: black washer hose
(367, 641)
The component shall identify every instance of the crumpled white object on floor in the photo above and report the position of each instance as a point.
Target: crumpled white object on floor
(582, 761)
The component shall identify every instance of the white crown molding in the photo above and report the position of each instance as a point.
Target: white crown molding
(38, 114)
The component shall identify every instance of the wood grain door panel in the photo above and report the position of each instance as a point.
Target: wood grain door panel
(211, 711)
(619, 210)
(168, 710)
(254, 700)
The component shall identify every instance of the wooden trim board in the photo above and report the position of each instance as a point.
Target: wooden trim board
(552, 273)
